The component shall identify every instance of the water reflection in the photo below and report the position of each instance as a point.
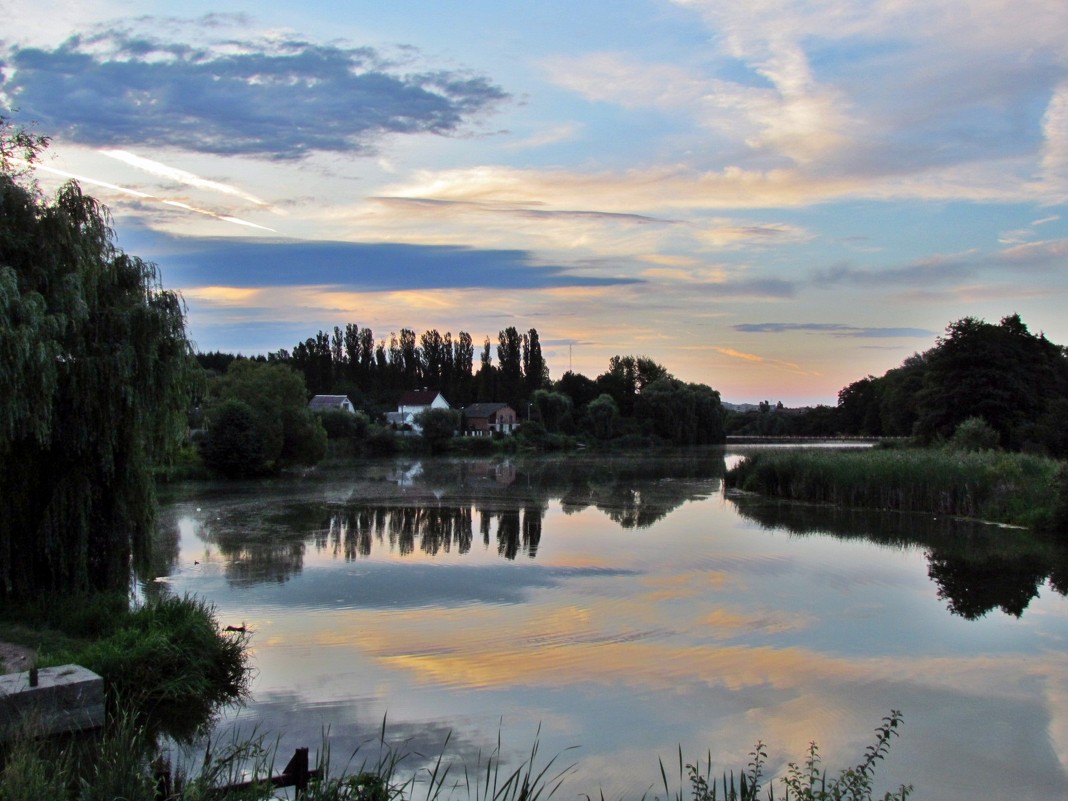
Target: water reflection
(404, 530)
(441, 507)
(628, 607)
(434, 507)
(976, 567)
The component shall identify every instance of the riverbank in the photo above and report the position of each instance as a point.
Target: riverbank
(1008, 488)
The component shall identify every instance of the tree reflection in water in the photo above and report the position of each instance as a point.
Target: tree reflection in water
(432, 506)
(976, 567)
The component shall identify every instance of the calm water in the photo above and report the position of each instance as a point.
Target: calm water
(628, 607)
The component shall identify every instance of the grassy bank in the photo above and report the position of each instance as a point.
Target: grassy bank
(1011, 488)
(166, 662)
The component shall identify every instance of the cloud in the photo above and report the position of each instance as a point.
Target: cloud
(517, 210)
(834, 329)
(1046, 257)
(279, 98)
(885, 95)
(143, 196)
(244, 262)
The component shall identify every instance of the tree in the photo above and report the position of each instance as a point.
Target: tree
(552, 408)
(974, 434)
(578, 387)
(510, 367)
(859, 407)
(96, 374)
(626, 377)
(439, 426)
(684, 414)
(1001, 373)
(535, 371)
(603, 412)
(289, 433)
(234, 446)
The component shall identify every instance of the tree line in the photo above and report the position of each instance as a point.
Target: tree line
(992, 385)
(635, 397)
(1014, 381)
(374, 373)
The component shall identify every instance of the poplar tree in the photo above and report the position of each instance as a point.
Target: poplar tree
(95, 378)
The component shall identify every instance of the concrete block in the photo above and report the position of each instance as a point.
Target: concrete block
(68, 698)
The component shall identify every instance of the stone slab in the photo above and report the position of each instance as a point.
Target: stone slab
(67, 698)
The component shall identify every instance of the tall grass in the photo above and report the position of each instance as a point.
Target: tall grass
(167, 659)
(809, 781)
(124, 766)
(1010, 488)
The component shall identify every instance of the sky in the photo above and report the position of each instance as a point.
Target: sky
(774, 198)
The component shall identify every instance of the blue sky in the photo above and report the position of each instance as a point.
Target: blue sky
(773, 198)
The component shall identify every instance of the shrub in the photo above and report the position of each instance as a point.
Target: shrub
(168, 661)
(974, 434)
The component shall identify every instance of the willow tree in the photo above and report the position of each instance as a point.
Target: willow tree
(95, 377)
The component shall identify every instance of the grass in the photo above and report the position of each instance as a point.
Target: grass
(1011, 488)
(167, 659)
(123, 764)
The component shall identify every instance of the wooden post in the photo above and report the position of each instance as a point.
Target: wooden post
(297, 770)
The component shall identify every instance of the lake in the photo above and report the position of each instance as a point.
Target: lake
(629, 606)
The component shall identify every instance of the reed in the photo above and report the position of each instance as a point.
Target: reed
(1012, 488)
(125, 764)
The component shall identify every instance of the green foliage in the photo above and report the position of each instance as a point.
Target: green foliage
(974, 434)
(34, 772)
(1014, 380)
(340, 424)
(603, 413)
(19, 149)
(258, 421)
(683, 414)
(95, 378)
(627, 377)
(381, 441)
(80, 616)
(553, 409)
(532, 436)
(1002, 487)
(233, 446)
(439, 427)
(124, 764)
(169, 662)
(809, 782)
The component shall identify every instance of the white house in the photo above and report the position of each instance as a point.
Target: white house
(412, 403)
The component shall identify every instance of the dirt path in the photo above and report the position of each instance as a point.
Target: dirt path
(15, 658)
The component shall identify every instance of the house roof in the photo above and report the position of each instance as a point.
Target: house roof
(328, 401)
(419, 397)
(483, 409)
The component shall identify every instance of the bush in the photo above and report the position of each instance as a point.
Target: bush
(168, 661)
(439, 427)
(344, 425)
(975, 434)
(382, 441)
